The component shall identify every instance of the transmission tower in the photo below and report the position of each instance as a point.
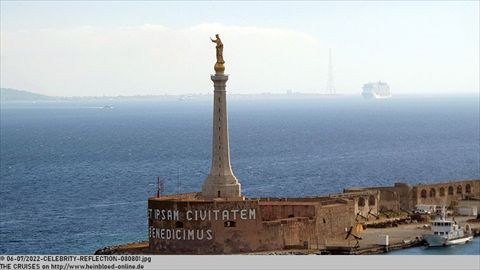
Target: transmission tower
(330, 90)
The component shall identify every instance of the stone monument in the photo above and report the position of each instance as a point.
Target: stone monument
(221, 182)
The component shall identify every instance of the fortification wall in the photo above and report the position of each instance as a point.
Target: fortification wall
(447, 193)
(332, 222)
(203, 227)
(223, 227)
(365, 202)
(188, 224)
(389, 200)
(405, 197)
(280, 210)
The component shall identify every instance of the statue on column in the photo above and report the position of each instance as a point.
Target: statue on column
(219, 67)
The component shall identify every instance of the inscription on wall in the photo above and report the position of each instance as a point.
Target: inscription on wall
(193, 215)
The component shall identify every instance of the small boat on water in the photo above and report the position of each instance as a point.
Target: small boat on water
(447, 232)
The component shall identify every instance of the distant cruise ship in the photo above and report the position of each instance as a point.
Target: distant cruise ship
(376, 90)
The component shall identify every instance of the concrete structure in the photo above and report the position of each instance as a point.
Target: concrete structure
(221, 182)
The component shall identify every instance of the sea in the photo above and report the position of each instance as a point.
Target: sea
(76, 174)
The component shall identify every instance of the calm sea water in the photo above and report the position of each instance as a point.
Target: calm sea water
(75, 177)
(471, 248)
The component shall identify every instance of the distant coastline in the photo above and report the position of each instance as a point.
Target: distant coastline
(10, 94)
(15, 95)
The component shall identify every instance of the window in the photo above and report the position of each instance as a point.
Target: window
(468, 188)
(442, 192)
(423, 194)
(361, 202)
(450, 190)
(433, 192)
(459, 190)
(230, 224)
(371, 200)
(218, 193)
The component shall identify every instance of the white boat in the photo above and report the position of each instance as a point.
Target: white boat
(447, 232)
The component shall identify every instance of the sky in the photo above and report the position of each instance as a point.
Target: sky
(84, 48)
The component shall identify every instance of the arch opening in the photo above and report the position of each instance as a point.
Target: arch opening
(361, 202)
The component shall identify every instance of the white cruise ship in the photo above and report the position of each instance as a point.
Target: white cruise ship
(376, 90)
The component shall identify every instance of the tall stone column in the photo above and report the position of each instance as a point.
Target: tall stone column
(221, 182)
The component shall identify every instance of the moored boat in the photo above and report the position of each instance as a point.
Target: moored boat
(447, 232)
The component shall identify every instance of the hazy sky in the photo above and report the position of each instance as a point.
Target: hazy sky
(128, 48)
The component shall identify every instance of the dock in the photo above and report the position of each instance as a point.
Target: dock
(401, 236)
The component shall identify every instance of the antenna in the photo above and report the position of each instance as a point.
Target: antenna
(330, 90)
(178, 180)
(160, 186)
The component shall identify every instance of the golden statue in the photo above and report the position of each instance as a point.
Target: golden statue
(219, 67)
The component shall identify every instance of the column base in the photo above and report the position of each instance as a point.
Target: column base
(221, 186)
